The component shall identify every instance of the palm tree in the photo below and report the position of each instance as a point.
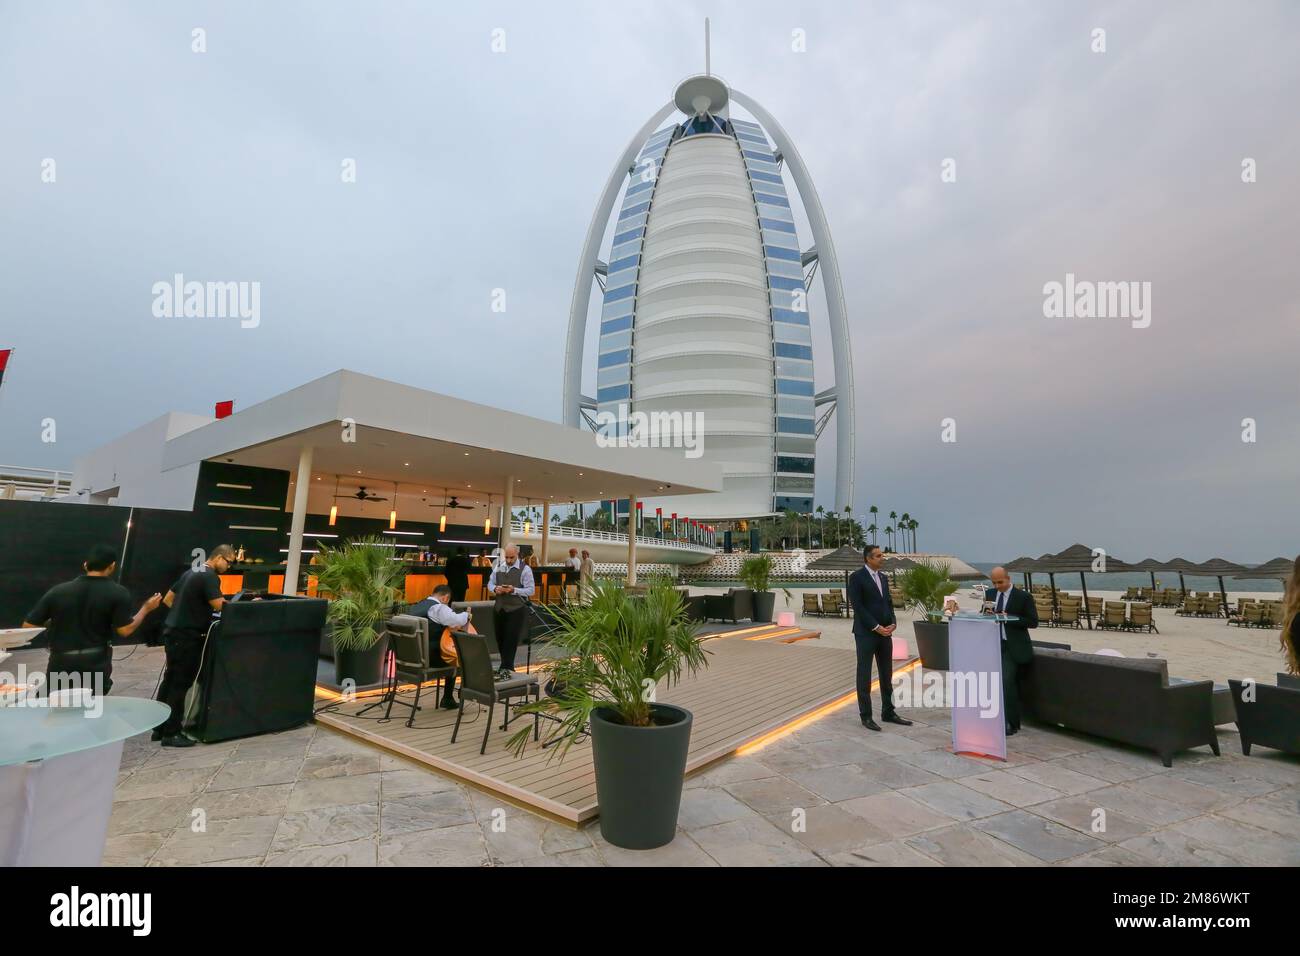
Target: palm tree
(889, 530)
(821, 535)
(872, 529)
(875, 513)
(914, 545)
(902, 523)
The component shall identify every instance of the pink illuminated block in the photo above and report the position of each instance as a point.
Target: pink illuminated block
(785, 619)
(901, 653)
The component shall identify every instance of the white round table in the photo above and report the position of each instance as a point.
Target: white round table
(58, 770)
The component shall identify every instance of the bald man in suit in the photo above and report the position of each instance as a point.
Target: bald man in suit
(1017, 650)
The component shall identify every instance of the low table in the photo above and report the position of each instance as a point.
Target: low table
(1222, 710)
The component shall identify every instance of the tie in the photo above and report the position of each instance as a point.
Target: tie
(1001, 605)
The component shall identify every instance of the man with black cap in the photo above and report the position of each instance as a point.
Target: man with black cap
(81, 616)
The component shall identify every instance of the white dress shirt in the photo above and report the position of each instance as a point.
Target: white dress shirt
(442, 615)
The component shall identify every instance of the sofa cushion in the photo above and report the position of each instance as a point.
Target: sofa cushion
(1153, 665)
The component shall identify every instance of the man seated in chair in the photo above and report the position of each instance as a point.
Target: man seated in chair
(442, 621)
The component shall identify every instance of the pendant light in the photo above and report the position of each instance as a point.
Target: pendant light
(442, 522)
(487, 522)
(392, 515)
(334, 508)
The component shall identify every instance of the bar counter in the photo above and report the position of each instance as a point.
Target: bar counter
(420, 580)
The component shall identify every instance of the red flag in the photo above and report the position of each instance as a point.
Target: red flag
(4, 361)
(225, 409)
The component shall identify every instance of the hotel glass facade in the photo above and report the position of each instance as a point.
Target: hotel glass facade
(704, 311)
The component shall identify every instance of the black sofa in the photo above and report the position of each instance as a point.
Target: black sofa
(736, 605)
(259, 669)
(1272, 719)
(1129, 700)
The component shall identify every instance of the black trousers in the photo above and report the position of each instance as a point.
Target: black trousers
(882, 649)
(1011, 674)
(458, 589)
(81, 668)
(184, 649)
(510, 627)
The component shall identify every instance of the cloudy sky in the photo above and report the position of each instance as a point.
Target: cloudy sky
(478, 170)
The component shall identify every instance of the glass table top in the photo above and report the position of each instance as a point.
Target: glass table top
(37, 733)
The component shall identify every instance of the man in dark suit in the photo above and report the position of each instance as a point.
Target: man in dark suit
(1017, 652)
(873, 636)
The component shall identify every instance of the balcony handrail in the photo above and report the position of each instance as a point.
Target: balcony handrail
(586, 534)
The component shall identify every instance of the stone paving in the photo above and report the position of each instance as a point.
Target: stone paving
(831, 793)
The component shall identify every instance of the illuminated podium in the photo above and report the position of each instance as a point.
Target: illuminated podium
(979, 725)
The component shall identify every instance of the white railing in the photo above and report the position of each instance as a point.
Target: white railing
(586, 534)
(19, 481)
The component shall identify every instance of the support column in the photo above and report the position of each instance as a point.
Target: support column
(506, 512)
(546, 532)
(631, 539)
(302, 485)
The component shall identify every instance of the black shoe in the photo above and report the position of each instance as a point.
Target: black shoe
(1012, 731)
(156, 735)
(448, 702)
(895, 719)
(178, 740)
(870, 724)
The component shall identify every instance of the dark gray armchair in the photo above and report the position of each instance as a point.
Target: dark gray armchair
(736, 605)
(1272, 719)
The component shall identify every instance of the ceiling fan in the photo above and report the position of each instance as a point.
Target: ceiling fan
(454, 502)
(362, 495)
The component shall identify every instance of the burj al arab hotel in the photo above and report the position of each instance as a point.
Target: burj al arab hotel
(705, 293)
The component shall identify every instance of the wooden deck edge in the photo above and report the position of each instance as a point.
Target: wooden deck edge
(516, 796)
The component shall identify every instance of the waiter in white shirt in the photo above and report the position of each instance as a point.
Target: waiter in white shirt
(511, 585)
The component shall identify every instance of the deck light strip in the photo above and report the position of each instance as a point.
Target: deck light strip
(786, 730)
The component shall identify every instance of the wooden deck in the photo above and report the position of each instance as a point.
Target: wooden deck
(755, 684)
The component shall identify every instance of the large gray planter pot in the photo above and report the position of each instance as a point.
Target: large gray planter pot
(364, 667)
(639, 774)
(764, 605)
(932, 644)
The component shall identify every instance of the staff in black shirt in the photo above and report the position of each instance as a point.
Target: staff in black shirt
(457, 572)
(192, 599)
(81, 616)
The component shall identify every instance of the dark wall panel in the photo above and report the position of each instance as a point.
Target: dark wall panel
(43, 544)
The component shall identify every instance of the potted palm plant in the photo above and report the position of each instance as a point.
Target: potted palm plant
(756, 574)
(621, 646)
(924, 588)
(363, 584)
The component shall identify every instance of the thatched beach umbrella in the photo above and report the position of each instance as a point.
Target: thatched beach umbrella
(1278, 569)
(1218, 567)
(847, 559)
(1077, 559)
(1182, 566)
